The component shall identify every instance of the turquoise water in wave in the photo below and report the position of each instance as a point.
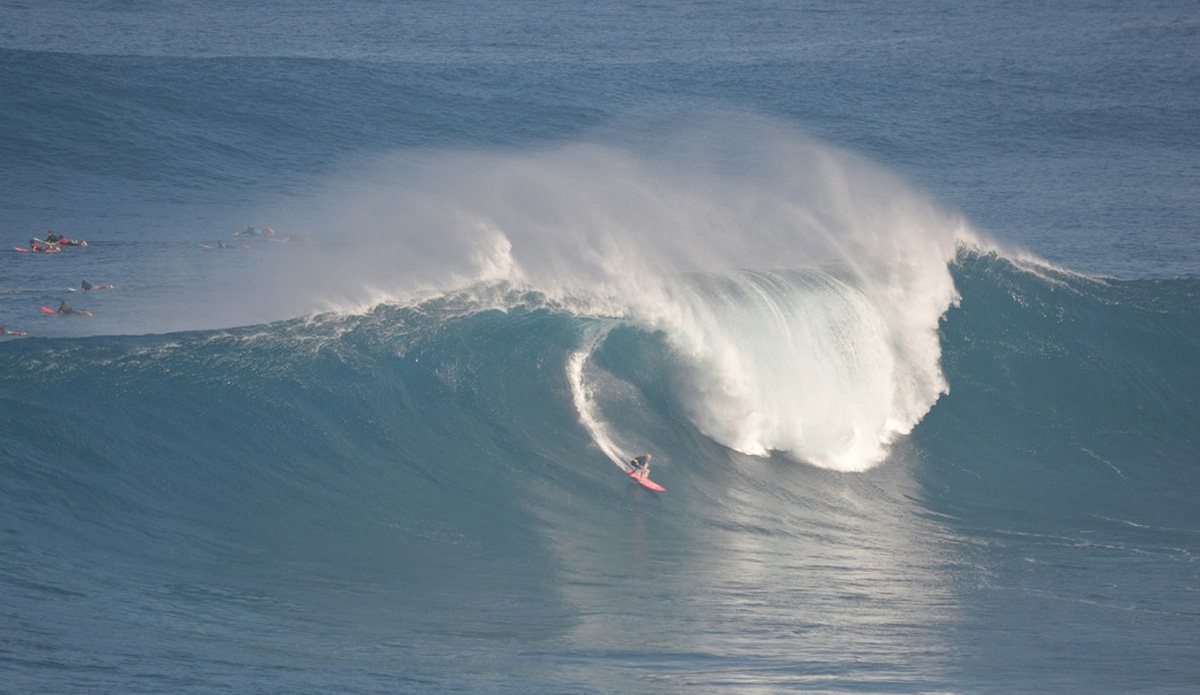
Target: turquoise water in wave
(905, 300)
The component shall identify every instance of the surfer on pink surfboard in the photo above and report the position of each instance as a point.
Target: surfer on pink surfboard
(641, 466)
(640, 472)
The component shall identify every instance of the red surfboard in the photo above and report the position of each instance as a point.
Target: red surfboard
(646, 482)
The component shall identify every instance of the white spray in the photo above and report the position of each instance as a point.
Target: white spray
(696, 233)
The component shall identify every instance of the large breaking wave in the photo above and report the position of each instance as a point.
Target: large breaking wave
(1092, 369)
(798, 288)
(521, 318)
(424, 471)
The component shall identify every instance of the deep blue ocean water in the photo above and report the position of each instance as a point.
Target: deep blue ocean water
(903, 298)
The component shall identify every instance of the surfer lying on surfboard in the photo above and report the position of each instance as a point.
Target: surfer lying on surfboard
(53, 238)
(5, 331)
(39, 246)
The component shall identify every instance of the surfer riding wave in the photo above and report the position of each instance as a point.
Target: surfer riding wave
(641, 466)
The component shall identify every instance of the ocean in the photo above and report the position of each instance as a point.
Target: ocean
(904, 299)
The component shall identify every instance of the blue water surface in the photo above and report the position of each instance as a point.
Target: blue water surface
(315, 463)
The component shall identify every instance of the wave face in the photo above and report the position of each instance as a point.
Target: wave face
(383, 492)
(778, 271)
(1086, 386)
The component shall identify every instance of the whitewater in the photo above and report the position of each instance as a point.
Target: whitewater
(799, 287)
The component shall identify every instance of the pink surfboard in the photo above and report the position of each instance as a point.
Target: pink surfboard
(77, 312)
(646, 482)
